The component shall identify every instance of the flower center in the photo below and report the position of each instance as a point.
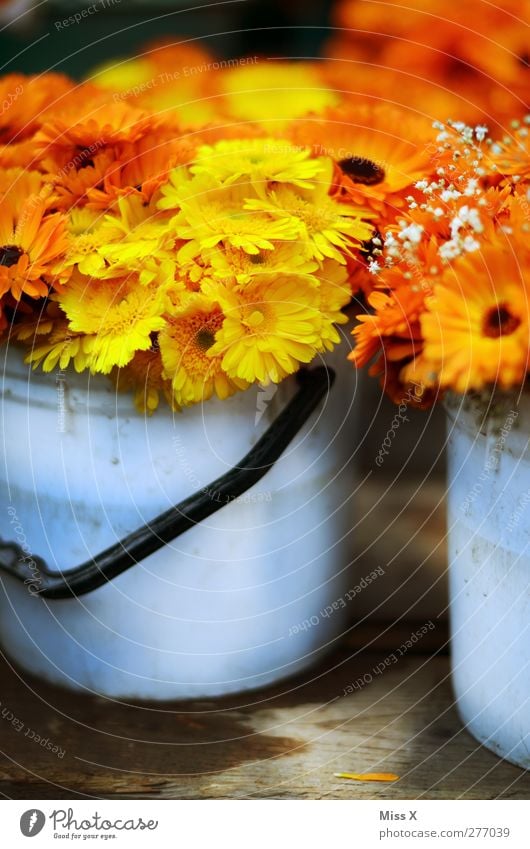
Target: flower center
(315, 218)
(362, 170)
(204, 338)
(499, 321)
(255, 319)
(83, 159)
(10, 255)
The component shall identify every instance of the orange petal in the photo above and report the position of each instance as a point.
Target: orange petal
(368, 776)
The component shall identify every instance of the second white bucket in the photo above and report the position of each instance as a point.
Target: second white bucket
(489, 573)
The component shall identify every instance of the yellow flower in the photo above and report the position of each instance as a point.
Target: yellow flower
(272, 325)
(106, 246)
(258, 161)
(285, 258)
(60, 348)
(185, 346)
(170, 79)
(210, 214)
(85, 237)
(118, 314)
(275, 90)
(325, 226)
(335, 294)
(143, 375)
(138, 231)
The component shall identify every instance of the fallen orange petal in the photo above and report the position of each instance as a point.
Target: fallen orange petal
(367, 776)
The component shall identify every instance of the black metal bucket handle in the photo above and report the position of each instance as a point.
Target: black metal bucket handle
(313, 385)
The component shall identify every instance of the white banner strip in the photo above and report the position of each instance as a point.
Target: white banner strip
(260, 824)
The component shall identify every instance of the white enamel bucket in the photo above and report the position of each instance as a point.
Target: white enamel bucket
(220, 609)
(489, 577)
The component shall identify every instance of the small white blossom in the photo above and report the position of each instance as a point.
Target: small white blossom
(470, 244)
(471, 188)
(450, 194)
(412, 234)
(449, 250)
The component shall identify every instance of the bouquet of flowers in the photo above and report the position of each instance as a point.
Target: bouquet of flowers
(449, 304)
(180, 263)
(185, 258)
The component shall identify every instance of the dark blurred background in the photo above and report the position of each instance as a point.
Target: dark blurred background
(35, 42)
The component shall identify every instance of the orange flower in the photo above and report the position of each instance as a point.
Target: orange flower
(511, 156)
(74, 177)
(31, 242)
(476, 327)
(140, 168)
(394, 326)
(25, 102)
(92, 122)
(461, 59)
(380, 151)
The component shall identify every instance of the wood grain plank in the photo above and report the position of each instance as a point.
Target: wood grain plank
(283, 742)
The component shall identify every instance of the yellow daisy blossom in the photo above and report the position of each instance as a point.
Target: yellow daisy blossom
(60, 348)
(137, 231)
(85, 237)
(186, 344)
(118, 314)
(210, 214)
(257, 161)
(285, 258)
(106, 246)
(272, 325)
(327, 227)
(335, 294)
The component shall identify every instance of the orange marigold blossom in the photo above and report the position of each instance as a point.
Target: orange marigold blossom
(462, 59)
(380, 151)
(31, 240)
(478, 335)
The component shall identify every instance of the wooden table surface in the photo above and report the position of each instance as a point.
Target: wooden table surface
(285, 742)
